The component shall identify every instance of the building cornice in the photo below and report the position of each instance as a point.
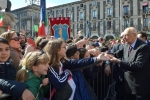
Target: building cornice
(27, 7)
(68, 4)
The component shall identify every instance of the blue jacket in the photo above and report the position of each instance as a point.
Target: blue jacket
(58, 81)
(82, 92)
(12, 87)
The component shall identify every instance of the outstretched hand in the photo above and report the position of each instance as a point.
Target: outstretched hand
(103, 57)
(29, 48)
(112, 58)
(115, 60)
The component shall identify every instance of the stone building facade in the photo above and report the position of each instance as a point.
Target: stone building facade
(105, 17)
(24, 16)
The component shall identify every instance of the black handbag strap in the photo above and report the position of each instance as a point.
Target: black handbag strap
(88, 66)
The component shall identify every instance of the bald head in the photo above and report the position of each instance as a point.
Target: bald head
(130, 30)
(130, 35)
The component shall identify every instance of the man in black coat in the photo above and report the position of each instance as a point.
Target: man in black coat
(135, 63)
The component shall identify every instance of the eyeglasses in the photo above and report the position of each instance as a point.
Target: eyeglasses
(42, 52)
(15, 38)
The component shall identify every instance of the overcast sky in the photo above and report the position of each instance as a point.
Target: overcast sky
(49, 3)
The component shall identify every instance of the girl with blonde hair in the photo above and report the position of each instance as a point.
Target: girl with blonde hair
(34, 67)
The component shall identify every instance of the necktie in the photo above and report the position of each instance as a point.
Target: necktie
(130, 49)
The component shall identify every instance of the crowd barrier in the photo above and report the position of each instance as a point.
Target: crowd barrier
(104, 86)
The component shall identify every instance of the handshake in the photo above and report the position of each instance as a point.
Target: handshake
(107, 57)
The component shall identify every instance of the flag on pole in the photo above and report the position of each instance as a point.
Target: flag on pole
(43, 19)
(1, 20)
(9, 28)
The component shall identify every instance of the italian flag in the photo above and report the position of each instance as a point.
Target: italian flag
(1, 20)
(43, 26)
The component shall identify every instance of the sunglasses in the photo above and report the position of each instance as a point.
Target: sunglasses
(15, 38)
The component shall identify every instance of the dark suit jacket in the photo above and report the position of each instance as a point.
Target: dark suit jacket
(117, 47)
(148, 43)
(136, 68)
(117, 71)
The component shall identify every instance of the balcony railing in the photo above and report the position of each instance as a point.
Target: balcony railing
(145, 28)
(81, 18)
(94, 17)
(142, 12)
(126, 14)
(109, 15)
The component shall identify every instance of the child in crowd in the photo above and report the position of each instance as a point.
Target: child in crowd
(7, 70)
(90, 73)
(60, 67)
(82, 86)
(34, 67)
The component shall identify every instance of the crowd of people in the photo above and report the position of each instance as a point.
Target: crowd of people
(58, 69)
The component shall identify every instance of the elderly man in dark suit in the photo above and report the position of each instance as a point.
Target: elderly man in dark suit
(135, 63)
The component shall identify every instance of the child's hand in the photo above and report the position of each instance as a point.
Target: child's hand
(1, 92)
(27, 95)
(45, 81)
(29, 48)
